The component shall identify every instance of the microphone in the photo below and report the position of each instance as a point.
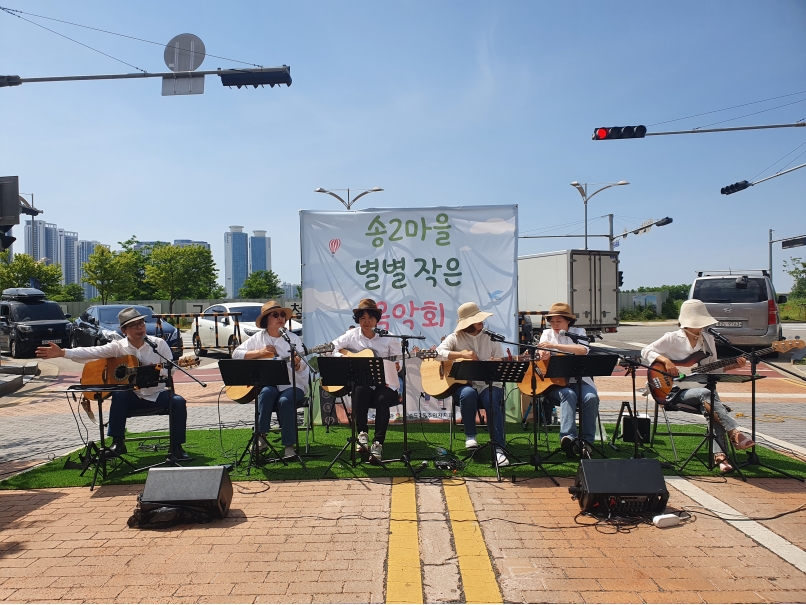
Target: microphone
(380, 331)
(494, 336)
(150, 343)
(718, 336)
(284, 334)
(575, 337)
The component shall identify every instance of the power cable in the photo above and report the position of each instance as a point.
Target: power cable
(749, 114)
(696, 115)
(776, 161)
(122, 35)
(6, 10)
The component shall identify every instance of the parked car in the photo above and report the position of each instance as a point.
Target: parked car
(205, 338)
(744, 303)
(28, 321)
(99, 325)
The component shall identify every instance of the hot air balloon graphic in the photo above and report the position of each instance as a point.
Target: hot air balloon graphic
(334, 246)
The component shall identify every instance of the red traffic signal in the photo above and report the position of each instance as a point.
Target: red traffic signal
(619, 132)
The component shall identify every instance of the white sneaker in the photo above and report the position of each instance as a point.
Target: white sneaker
(262, 444)
(471, 443)
(502, 460)
(363, 442)
(377, 450)
(290, 452)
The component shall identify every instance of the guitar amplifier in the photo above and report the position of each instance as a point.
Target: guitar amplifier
(632, 486)
(206, 487)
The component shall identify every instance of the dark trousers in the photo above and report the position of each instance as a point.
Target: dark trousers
(124, 402)
(380, 398)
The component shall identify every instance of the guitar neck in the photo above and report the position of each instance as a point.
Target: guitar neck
(727, 362)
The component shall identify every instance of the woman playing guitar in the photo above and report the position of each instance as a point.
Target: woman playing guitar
(687, 342)
(270, 343)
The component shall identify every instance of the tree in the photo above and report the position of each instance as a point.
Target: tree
(261, 284)
(69, 293)
(23, 271)
(678, 292)
(133, 264)
(796, 267)
(177, 272)
(103, 271)
(204, 274)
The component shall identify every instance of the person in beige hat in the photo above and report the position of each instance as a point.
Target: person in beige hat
(679, 344)
(561, 317)
(271, 342)
(468, 341)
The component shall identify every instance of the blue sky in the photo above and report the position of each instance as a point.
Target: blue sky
(439, 103)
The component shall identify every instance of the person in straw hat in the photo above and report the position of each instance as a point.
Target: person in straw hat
(367, 315)
(561, 317)
(133, 326)
(270, 342)
(468, 341)
(679, 344)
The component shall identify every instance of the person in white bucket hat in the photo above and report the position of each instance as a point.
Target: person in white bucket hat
(677, 345)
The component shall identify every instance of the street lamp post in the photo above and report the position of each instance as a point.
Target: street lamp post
(583, 191)
(349, 202)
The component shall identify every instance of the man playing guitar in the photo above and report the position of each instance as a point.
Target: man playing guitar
(133, 326)
(367, 315)
(682, 343)
(271, 342)
(468, 341)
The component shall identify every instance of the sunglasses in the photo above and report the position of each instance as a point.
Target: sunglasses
(275, 315)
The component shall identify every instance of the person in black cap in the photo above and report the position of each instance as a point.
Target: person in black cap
(133, 326)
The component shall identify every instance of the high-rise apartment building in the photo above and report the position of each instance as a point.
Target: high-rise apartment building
(259, 252)
(35, 239)
(189, 242)
(236, 260)
(83, 249)
(67, 254)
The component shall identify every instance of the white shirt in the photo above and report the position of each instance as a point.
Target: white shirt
(354, 341)
(676, 346)
(551, 336)
(119, 348)
(263, 339)
(481, 344)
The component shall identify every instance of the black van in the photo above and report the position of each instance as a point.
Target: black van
(28, 321)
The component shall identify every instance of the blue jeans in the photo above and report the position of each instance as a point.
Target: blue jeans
(469, 404)
(125, 401)
(271, 400)
(697, 398)
(566, 397)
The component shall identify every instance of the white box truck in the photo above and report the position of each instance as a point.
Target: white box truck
(585, 279)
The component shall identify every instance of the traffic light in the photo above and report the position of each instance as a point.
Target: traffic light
(619, 132)
(663, 222)
(740, 186)
(5, 239)
(272, 77)
(9, 208)
(620, 278)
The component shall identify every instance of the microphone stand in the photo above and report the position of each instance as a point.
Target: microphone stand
(171, 458)
(294, 354)
(404, 346)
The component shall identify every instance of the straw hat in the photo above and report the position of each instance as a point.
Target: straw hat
(694, 314)
(561, 309)
(369, 305)
(270, 307)
(128, 315)
(470, 314)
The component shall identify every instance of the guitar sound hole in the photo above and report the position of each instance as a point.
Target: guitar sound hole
(120, 372)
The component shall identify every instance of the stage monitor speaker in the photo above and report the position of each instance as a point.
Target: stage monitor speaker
(207, 487)
(620, 486)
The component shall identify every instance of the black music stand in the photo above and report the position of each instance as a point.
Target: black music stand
(710, 380)
(577, 366)
(490, 372)
(536, 459)
(354, 372)
(95, 455)
(256, 373)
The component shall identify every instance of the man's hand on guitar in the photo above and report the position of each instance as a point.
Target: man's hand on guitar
(49, 351)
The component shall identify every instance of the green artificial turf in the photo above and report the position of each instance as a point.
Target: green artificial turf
(214, 447)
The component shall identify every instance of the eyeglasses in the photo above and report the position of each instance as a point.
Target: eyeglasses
(275, 315)
(135, 324)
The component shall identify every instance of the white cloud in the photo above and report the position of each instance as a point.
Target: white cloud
(329, 301)
(495, 226)
(465, 249)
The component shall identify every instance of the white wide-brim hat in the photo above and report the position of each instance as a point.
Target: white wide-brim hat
(694, 314)
(470, 314)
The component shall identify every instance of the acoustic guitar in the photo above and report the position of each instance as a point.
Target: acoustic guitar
(120, 370)
(246, 394)
(436, 378)
(338, 391)
(541, 382)
(660, 385)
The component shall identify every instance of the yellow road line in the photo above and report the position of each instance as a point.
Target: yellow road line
(478, 578)
(403, 578)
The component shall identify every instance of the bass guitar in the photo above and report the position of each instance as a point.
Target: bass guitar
(246, 394)
(660, 385)
(338, 391)
(120, 370)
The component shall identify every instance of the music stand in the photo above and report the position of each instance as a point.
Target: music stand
(710, 380)
(536, 459)
(93, 454)
(490, 372)
(577, 366)
(257, 373)
(354, 372)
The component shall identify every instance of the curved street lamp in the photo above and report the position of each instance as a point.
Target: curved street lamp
(583, 191)
(348, 203)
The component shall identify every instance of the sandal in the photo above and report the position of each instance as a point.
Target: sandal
(741, 441)
(724, 464)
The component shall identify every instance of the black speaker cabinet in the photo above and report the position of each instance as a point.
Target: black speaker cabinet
(620, 486)
(628, 432)
(207, 487)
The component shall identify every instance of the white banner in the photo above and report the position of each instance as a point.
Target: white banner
(419, 265)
